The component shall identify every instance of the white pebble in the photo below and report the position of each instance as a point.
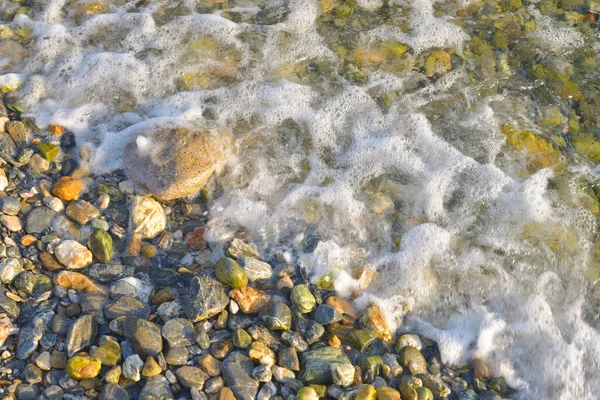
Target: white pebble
(233, 307)
(126, 187)
(54, 203)
(3, 180)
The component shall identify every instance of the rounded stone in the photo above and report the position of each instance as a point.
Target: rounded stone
(83, 367)
(307, 393)
(302, 299)
(191, 377)
(412, 359)
(178, 332)
(101, 245)
(147, 217)
(230, 273)
(73, 255)
(173, 163)
(277, 317)
(67, 188)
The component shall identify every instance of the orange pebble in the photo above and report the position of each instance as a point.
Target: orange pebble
(56, 130)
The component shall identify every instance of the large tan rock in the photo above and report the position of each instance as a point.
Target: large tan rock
(173, 163)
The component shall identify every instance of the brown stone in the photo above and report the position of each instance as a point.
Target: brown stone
(11, 222)
(55, 129)
(148, 250)
(151, 367)
(76, 281)
(210, 365)
(342, 305)
(249, 299)
(226, 394)
(28, 240)
(134, 245)
(285, 282)
(82, 211)
(373, 318)
(220, 349)
(195, 239)
(50, 262)
(482, 369)
(67, 188)
(387, 393)
(164, 295)
(4, 331)
(173, 163)
(334, 341)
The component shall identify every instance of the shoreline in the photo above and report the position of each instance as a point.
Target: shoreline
(111, 295)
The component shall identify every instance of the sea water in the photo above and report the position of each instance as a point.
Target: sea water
(389, 177)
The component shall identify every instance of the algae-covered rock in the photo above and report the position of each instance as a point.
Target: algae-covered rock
(316, 364)
(588, 146)
(109, 353)
(557, 82)
(540, 154)
(412, 359)
(101, 245)
(366, 392)
(230, 273)
(437, 63)
(302, 299)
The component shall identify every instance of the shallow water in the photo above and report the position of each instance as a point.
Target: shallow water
(435, 157)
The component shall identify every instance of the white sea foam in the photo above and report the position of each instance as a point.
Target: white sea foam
(476, 269)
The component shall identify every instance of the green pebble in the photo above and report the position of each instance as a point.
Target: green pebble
(101, 245)
(277, 317)
(303, 299)
(49, 150)
(371, 365)
(408, 387)
(361, 339)
(230, 273)
(412, 359)
(424, 394)
(202, 339)
(307, 393)
(241, 339)
(112, 190)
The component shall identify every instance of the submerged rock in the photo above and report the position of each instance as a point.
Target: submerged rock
(174, 163)
(178, 332)
(38, 219)
(156, 387)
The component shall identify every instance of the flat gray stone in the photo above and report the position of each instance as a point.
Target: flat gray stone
(81, 334)
(237, 374)
(206, 298)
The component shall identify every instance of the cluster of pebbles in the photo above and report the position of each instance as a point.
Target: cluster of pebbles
(112, 295)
